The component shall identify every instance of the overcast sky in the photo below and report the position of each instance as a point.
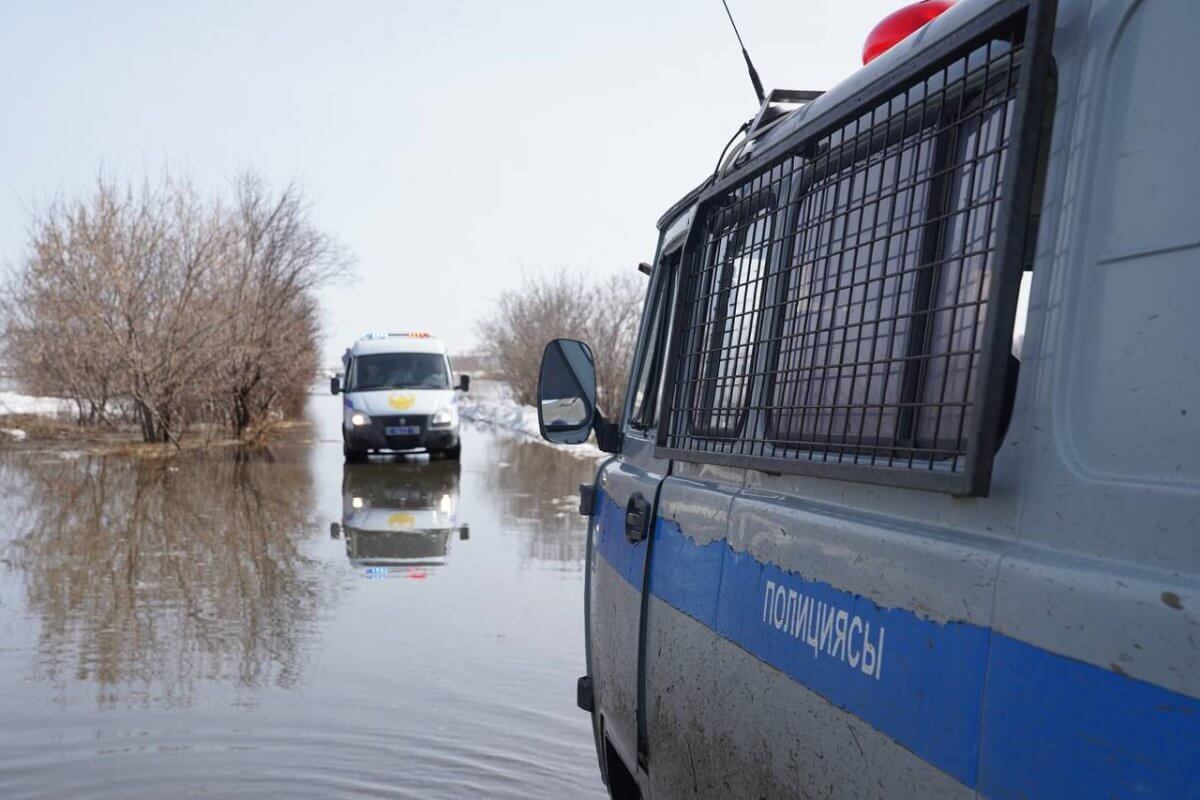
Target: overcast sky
(451, 146)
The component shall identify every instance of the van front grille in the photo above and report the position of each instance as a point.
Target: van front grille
(421, 420)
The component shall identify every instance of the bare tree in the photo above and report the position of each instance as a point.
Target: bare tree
(602, 312)
(53, 348)
(153, 305)
(612, 330)
(278, 259)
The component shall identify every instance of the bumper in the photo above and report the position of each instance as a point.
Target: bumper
(372, 437)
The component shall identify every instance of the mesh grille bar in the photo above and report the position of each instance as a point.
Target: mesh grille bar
(834, 306)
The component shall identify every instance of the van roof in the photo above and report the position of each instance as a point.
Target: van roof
(397, 343)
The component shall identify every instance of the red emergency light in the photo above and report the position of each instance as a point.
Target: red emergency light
(900, 23)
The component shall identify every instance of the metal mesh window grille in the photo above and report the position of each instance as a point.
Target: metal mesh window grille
(725, 296)
(835, 303)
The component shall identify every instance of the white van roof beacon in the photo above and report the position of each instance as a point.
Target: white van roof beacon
(416, 342)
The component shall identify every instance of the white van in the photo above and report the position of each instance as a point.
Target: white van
(399, 397)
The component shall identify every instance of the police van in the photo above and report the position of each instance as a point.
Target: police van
(904, 499)
(398, 396)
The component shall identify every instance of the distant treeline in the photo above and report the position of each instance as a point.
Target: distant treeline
(153, 305)
(602, 311)
(475, 364)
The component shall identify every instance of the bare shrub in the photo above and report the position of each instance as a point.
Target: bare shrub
(602, 312)
(612, 333)
(277, 260)
(155, 306)
(475, 364)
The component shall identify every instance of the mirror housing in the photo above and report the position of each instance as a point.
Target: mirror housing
(335, 530)
(464, 383)
(335, 385)
(567, 412)
(566, 392)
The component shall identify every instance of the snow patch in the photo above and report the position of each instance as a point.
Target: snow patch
(496, 410)
(14, 403)
(16, 434)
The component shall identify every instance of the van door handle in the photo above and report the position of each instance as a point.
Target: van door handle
(637, 518)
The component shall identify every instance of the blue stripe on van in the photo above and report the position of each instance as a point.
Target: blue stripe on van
(627, 559)
(930, 676)
(1053, 726)
(1056, 727)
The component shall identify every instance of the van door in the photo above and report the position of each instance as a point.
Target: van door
(626, 496)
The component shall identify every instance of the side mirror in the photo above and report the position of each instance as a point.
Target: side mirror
(335, 530)
(464, 383)
(566, 392)
(335, 386)
(464, 533)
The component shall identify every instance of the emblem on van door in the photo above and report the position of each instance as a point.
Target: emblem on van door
(401, 401)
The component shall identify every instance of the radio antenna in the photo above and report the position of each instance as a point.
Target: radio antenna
(758, 88)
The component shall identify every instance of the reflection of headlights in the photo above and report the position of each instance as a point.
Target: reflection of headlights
(358, 419)
(447, 416)
(356, 502)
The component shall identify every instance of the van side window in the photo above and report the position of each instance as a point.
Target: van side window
(726, 291)
(963, 270)
(837, 305)
(848, 299)
(644, 407)
(883, 308)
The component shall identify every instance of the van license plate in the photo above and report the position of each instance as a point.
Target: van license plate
(402, 430)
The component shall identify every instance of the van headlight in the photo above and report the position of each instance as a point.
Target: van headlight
(359, 419)
(446, 417)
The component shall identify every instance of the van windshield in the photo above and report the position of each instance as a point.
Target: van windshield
(398, 371)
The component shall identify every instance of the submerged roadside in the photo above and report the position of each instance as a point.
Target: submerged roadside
(490, 404)
(32, 423)
(44, 424)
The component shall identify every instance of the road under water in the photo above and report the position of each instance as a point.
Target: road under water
(275, 624)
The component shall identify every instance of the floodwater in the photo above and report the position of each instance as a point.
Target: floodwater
(276, 624)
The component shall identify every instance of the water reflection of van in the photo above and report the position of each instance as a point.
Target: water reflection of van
(399, 518)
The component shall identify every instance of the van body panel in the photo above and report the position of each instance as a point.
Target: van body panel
(1108, 563)
(1132, 374)
(613, 667)
(401, 401)
(1053, 600)
(616, 599)
(1092, 681)
(939, 574)
(712, 474)
(891, 667)
(926, 691)
(615, 609)
(787, 740)
(687, 566)
(699, 507)
(683, 571)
